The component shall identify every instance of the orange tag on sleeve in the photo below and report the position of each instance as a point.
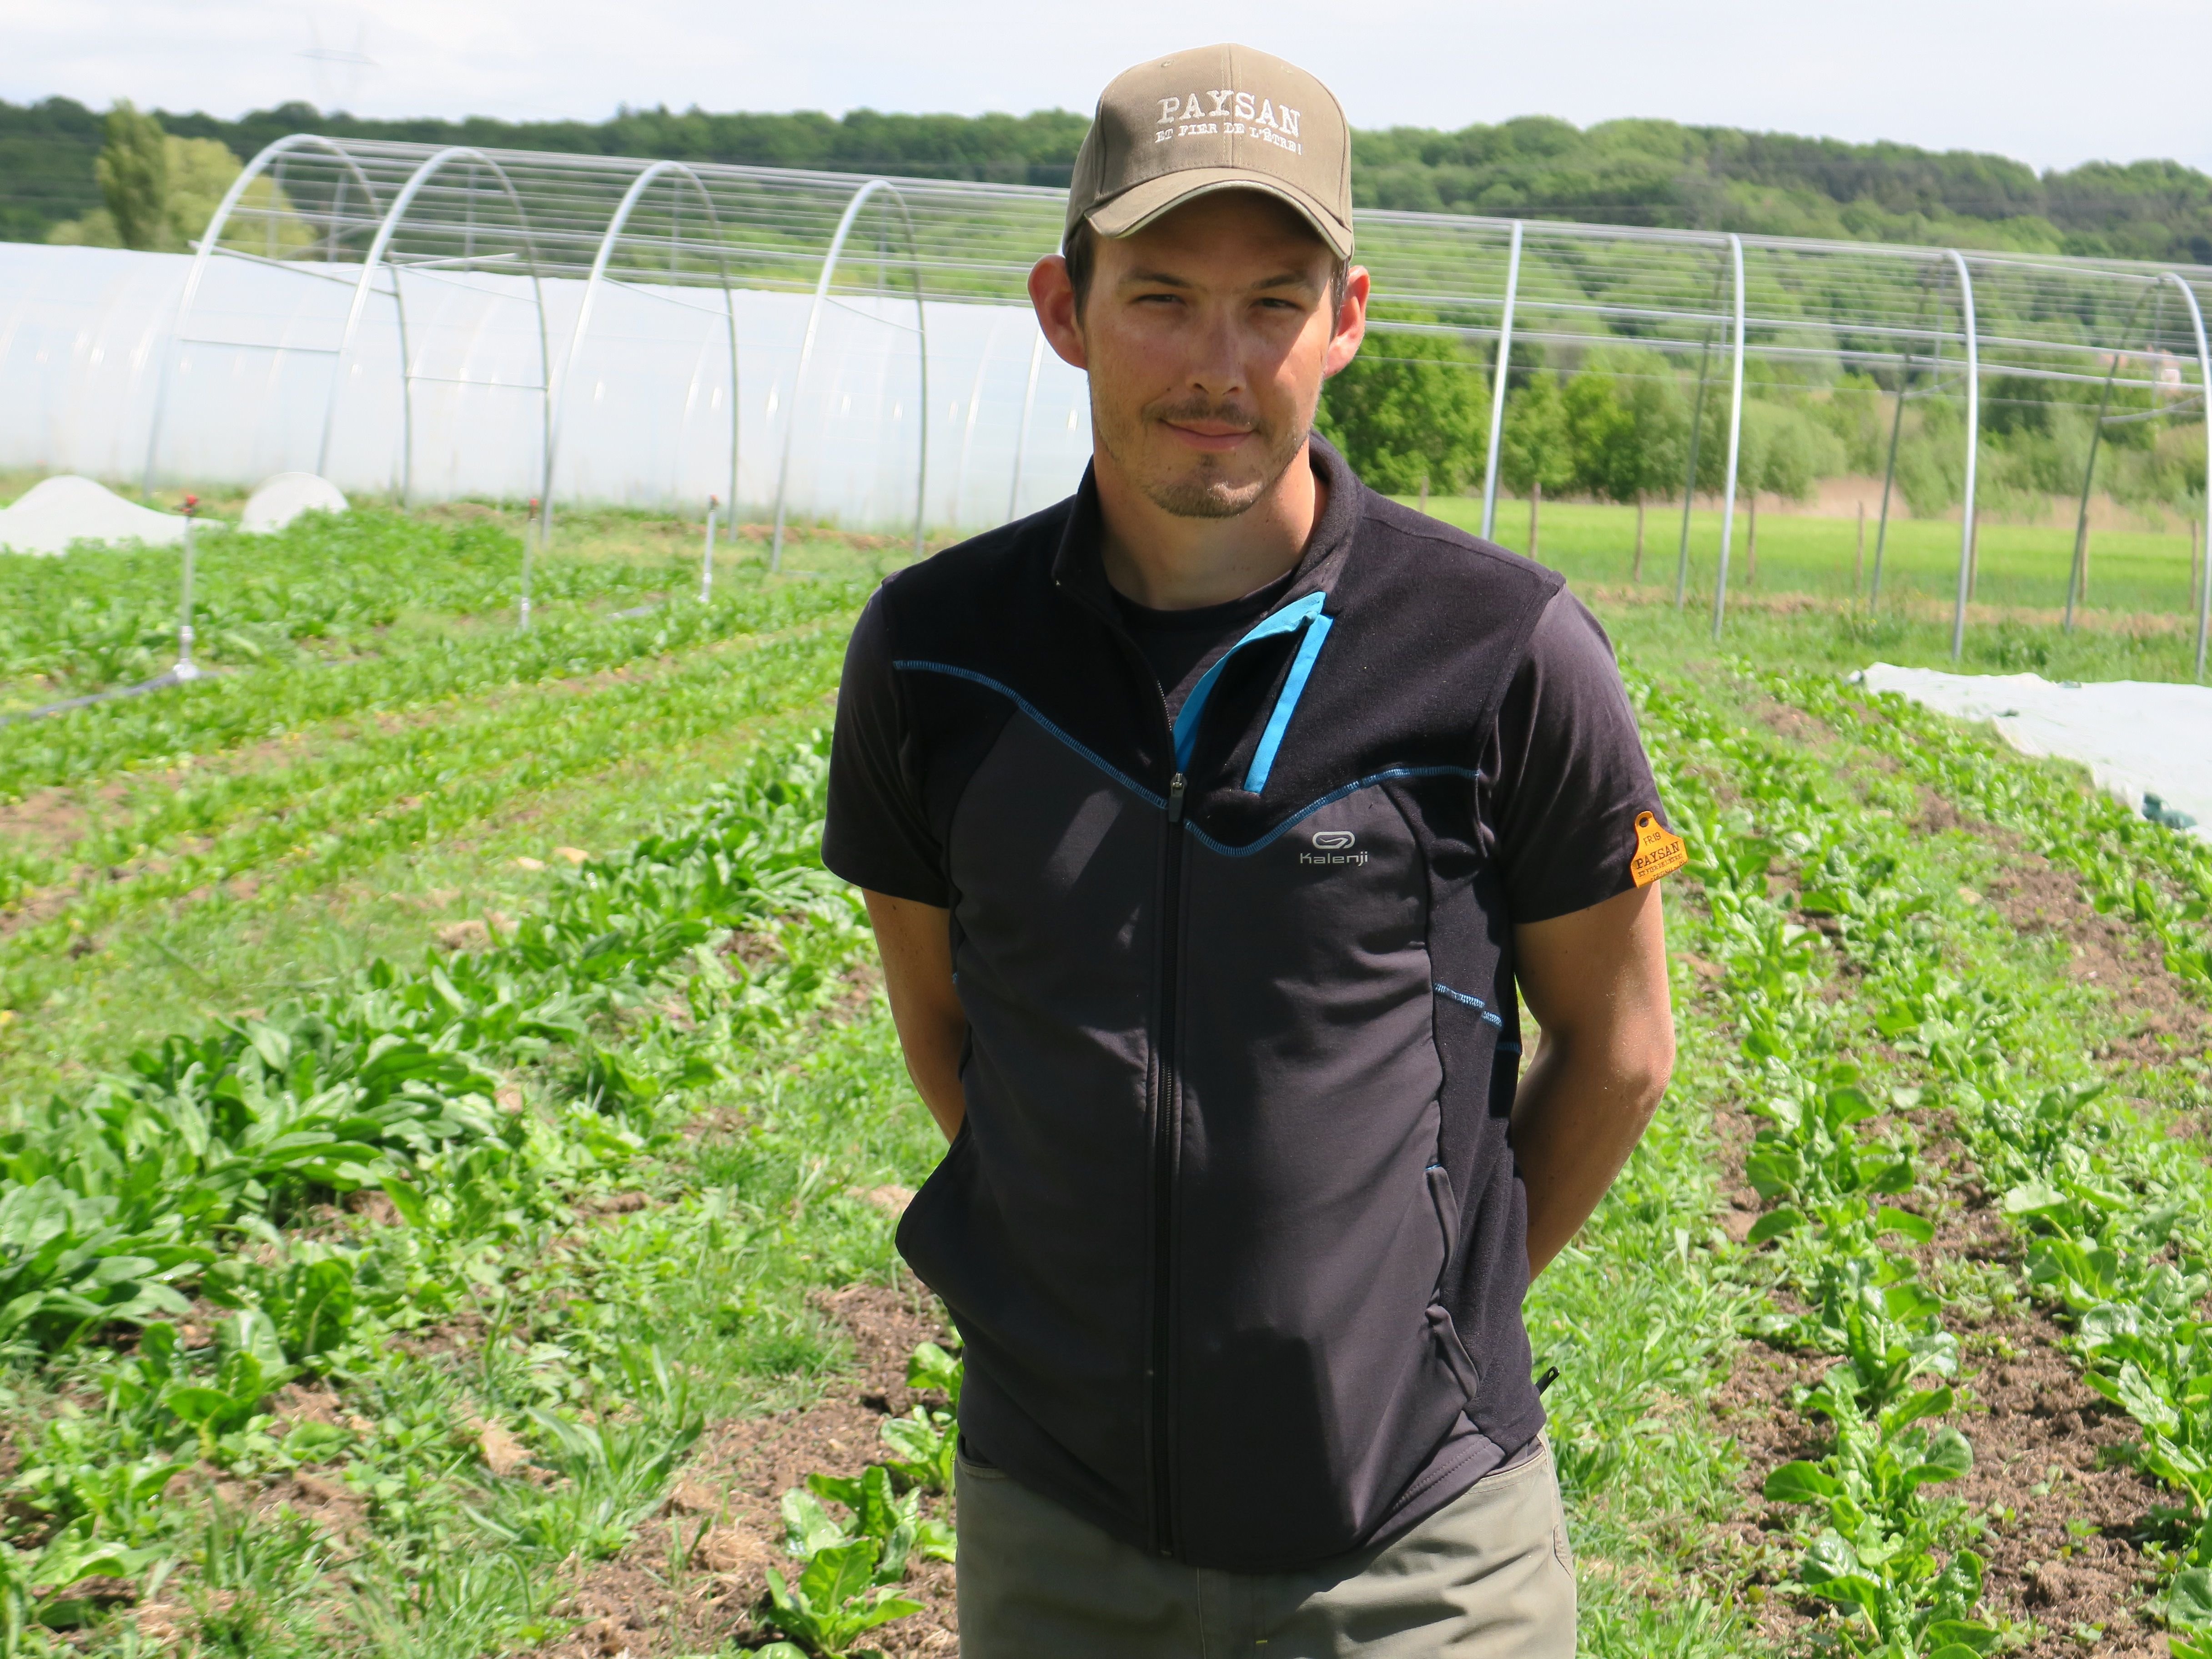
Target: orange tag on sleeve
(1659, 851)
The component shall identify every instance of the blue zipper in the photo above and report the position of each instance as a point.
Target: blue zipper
(1306, 613)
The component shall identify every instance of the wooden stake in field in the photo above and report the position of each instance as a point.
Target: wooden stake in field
(1859, 559)
(1535, 501)
(1750, 546)
(1424, 492)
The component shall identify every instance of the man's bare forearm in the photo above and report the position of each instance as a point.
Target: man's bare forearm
(916, 943)
(1597, 982)
(1577, 1117)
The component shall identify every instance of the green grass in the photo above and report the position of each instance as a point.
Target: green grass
(294, 852)
(1829, 637)
(2132, 573)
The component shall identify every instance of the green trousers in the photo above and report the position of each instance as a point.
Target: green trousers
(1487, 1577)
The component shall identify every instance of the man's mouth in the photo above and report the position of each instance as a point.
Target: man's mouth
(1210, 436)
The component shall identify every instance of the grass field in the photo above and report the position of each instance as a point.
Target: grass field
(454, 1135)
(2019, 567)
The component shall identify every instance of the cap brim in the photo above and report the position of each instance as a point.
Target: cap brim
(1139, 205)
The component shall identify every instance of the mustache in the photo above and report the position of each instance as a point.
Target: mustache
(1201, 408)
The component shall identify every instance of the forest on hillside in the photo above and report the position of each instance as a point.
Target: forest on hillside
(1625, 171)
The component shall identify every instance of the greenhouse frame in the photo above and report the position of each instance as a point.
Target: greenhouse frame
(476, 306)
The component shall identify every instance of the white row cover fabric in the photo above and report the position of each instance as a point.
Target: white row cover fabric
(277, 501)
(84, 333)
(56, 512)
(2136, 737)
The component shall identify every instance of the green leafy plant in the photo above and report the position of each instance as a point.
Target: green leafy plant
(837, 1599)
(925, 1443)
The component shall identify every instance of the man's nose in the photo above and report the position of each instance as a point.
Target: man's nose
(1217, 360)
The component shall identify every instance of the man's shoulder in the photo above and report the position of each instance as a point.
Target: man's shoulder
(1009, 566)
(1445, 602)
(1416, 543)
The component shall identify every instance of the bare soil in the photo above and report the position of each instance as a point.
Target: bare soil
(696, 1581)
(2066, 1511)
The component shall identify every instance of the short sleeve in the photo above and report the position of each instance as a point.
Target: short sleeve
(1568, 777)
(877, 836)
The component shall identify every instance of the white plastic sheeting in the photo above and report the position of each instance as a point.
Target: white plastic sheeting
(2136, 737)
(277, 501)
(55, 513)
(87, 335)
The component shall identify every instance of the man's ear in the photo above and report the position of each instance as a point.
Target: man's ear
(1351, 322)
(1054, 297)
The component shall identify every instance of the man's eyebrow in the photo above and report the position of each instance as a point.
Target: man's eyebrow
(1168, 279)
(1155, 279)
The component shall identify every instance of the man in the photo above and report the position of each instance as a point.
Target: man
(1210, 821)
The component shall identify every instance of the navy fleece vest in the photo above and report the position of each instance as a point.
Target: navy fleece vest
(1233, 1232)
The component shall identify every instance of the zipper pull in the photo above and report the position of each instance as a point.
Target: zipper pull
(1174, 798)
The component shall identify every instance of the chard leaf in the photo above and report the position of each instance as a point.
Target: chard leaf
(1801, 1482)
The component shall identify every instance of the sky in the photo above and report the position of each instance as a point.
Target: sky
(2050, 84)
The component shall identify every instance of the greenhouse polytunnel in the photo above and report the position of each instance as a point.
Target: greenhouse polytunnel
(437, 323)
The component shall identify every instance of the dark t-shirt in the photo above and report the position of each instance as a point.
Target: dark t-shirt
(1182, 645)
(1564, 775)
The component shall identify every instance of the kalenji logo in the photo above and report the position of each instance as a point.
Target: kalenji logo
(1334, 847)
(1229, 112)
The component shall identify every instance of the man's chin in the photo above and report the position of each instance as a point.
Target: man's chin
(1206, 491)
(1204, 499)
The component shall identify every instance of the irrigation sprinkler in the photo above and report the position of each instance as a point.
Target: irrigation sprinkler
(529, 532)
(186, 668)
(707, 558)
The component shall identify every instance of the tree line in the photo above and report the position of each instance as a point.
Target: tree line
(1627, 171)
(1619, 424)
(1609, 421)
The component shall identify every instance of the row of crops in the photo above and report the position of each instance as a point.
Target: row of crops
(1873, 1001)
(482, 1249)
(198, 1201)
(364, 727)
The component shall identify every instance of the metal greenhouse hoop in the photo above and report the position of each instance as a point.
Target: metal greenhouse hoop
(860, 199)
(210, 243)
(1801, 318)
(379, 254)
(598, 278)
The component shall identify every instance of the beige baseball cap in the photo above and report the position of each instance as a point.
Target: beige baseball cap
(1218, 118)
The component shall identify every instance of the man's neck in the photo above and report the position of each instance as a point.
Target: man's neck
(1166, 562)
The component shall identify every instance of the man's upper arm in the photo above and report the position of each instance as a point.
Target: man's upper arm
(1567, 779)
(877, 836)
(1600, 974)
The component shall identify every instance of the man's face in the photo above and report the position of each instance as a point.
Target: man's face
(1207, 334)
